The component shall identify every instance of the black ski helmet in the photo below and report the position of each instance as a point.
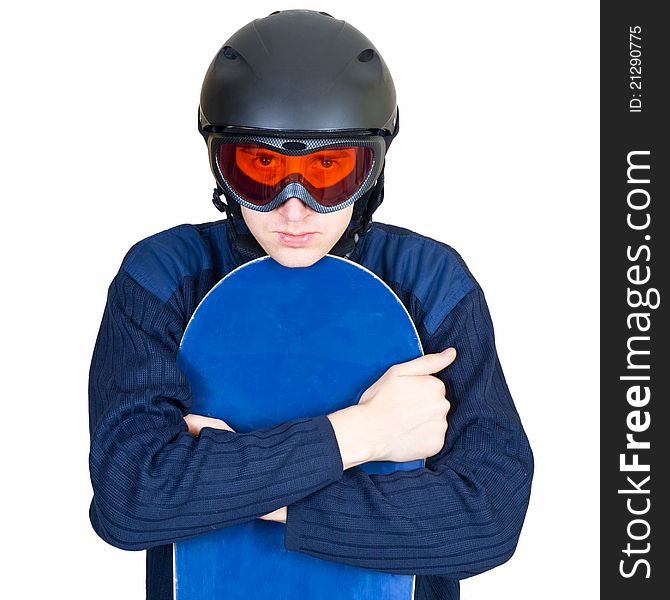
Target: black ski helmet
(300, 72)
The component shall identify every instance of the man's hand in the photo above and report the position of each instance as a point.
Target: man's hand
(401, 417)
(278, 515)
(197, 422)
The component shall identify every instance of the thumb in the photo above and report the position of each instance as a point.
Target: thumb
(427, 364)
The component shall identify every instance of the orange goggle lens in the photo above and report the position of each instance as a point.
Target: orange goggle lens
(330, 175)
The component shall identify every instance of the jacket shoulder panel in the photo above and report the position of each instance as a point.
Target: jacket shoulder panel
(431, 270)
(160, 262)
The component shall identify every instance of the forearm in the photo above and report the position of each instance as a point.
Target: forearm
(155, 487)
(455, 521)
(353, 442)
(348, 426)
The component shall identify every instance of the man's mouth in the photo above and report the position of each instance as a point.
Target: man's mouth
(296, 239)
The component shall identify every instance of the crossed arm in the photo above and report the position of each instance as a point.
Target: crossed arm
(400, 417)
(155, 482)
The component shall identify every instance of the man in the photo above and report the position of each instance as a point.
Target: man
(298, 110)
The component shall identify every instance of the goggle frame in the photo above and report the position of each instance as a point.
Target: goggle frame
(296, 146)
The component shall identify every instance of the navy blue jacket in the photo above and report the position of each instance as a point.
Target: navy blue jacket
(154, 483)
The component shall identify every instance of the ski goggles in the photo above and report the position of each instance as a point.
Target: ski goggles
(327, 174)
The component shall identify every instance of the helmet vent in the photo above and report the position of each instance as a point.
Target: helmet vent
(366, 55)
(326, 14)
(229, 53)
(294, 145)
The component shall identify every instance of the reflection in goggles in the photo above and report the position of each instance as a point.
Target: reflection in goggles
(322, 168)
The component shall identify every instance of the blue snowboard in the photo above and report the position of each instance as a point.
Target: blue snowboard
(269, 344)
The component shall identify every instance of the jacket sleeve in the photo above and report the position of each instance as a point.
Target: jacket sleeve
(155, 483)
(459, 515)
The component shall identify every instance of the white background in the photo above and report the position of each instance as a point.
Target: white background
(497, 156)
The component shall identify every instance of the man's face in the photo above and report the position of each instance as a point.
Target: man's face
(294, 216)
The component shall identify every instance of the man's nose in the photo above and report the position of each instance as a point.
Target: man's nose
(294, 209)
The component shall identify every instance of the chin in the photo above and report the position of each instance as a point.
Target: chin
(297, 257)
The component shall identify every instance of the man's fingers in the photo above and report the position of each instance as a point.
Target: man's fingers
(427, 364)
(197, 422)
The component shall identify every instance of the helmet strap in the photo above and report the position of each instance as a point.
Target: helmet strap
(361, 219)
(364, 214)
(245, 243)
(230, 209)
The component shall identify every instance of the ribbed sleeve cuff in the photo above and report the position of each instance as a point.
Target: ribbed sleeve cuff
(336, 466)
